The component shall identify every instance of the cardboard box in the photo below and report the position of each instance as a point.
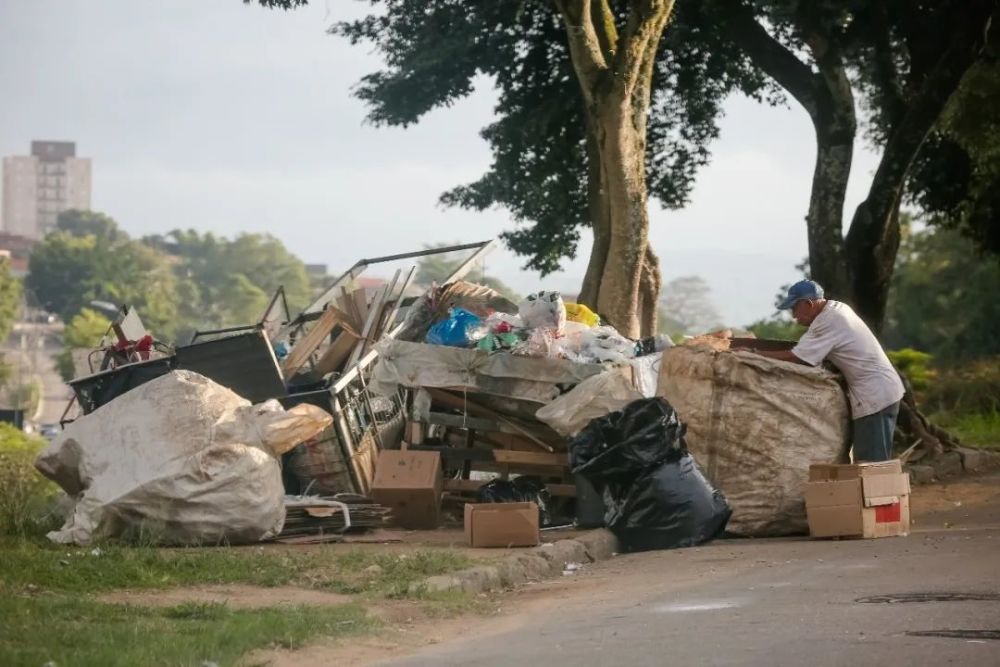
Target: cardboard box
(861, 500)
(502, 525)
(411, 483)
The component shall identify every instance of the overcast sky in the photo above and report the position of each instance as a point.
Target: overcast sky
(228, 118)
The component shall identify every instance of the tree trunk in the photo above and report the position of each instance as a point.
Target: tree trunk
(836, 126)
(600, 220)
(873, 238)
(623, 162)
(614, 70)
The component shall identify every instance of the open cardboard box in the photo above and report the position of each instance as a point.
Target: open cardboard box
(858, 500)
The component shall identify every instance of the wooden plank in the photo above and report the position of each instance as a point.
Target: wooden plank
(504, 456)
(360, 297)
(472, 485)
(312, 340)
(374, 314)
(351, 308)
(473, 408)
(337, 353)
(533, 458)
(399, 300)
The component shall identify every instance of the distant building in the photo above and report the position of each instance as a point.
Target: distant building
(40, 186)
(16, 249)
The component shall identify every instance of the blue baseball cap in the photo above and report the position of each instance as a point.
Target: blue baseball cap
(804, 289)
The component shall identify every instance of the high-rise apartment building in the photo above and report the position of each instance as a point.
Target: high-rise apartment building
(40, 186)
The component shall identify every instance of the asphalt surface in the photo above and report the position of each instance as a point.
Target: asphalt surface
(767, 602)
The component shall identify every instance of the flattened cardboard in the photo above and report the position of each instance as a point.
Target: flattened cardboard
(411, 484)
(833, 493)
(841, 471)
(502, 525)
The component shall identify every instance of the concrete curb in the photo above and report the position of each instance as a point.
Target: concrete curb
(548, 560)
(963, 460)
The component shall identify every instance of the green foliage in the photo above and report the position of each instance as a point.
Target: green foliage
(177, 283)
(778, 327)
(10, 298)
(956, 177)
(968, 388)
(980, 429)
(223, 282)
(89, 259)
(434, 52)
(25, 396)
(944, 297)
(915, 365)
(437, 268)
(26, 498)
(84, 331)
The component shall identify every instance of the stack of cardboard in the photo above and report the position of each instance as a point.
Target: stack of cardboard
(858, 500)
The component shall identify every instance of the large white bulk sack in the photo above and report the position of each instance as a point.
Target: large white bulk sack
(755, 425)
(182, 458)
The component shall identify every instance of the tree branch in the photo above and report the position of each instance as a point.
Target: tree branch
(604, 25)
(885, 69)
(584, 45)
(769, 54)
(643, 28)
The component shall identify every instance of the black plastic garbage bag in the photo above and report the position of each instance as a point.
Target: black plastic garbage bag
(654, 494)
(523, 489)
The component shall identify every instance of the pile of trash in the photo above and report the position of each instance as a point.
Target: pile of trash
(178, 460)
(542, 325)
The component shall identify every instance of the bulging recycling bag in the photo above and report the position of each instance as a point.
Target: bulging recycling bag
(654, 494)
(180, 458)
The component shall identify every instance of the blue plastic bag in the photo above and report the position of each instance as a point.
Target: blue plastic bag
(456, 331)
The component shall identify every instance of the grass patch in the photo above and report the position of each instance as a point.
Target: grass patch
(979, 429)
(109, 567)
(386, 575)
(78, 632)
(28, 563)
(27, 500)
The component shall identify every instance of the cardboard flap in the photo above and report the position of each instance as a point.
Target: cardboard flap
(407, 469)
(885, 489)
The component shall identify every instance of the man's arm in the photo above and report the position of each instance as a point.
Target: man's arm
(782, 355)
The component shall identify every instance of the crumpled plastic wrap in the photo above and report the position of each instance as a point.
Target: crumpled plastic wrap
(181, 459)
(543, 310)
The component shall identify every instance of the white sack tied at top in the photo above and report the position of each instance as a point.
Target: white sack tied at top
(180, 458)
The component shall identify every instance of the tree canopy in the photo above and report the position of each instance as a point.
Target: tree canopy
(178, 282)
(10, 298)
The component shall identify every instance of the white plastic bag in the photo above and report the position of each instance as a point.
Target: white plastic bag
(543, 310)
(180, 457)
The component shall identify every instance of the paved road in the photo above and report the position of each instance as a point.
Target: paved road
(767, 602)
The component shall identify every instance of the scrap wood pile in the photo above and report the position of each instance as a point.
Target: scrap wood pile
(483, 373)
(313, 519)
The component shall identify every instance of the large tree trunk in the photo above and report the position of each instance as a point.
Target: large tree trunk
(600, 220)
(615, 71)
(873, 238)
(623, 159)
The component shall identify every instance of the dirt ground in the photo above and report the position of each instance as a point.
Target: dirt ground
(236, 596)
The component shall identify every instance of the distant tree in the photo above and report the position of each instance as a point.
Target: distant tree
(82, 224)
(89, 259)
(84, 331)
(777, 327)
(944, 299)
(10, 298)
(437, 268)
(225, 282)
(687, 305)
